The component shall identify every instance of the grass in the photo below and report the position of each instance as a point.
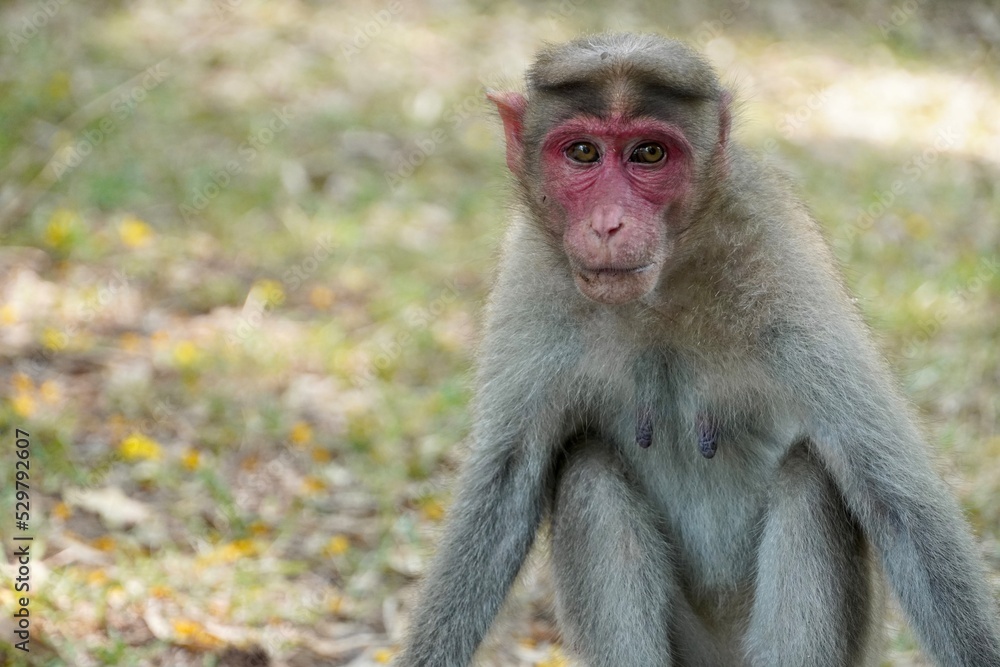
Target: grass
(245, 251)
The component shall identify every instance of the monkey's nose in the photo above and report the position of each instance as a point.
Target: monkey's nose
(607, 219)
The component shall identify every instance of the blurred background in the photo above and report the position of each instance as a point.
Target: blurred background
(245, 249)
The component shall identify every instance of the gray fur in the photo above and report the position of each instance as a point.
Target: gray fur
(770, 553)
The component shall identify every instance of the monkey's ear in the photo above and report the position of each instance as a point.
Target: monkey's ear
(511, 107)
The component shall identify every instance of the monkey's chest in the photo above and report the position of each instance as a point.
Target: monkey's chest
(708, 471)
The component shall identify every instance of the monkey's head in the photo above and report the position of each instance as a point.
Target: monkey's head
(612, 147)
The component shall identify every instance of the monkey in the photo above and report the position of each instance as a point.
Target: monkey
(674, 380)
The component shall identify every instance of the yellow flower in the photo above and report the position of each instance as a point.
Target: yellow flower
(232, 551)
(139, 446)
(383, 656)
(24, 405)
(62, 511)
(301, 433)
(321, 297)
(270, 291)
(129, 342)
(191, 459)
(8, 314)
(183, 627)
(338, 545)
(432, 509)
(186, 354)
(97, 578)
(22, 383)
(554, 659)
(134, 232)
(59, 85)
(54, 340)
(104, 543)
(312, 484)
(245, 547)
(61, 227)
(336, 604)
(192, 633)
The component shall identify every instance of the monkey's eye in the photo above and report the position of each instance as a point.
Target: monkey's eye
(648, 153)
(583, 151)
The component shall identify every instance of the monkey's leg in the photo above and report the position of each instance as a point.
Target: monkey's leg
(817, 600)
(614, 585)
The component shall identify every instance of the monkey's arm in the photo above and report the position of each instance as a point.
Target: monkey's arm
(502, 496)
(863, 431)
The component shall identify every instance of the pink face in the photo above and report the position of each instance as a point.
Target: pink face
(608, 187)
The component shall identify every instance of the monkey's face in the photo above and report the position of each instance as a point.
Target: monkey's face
(611, 187)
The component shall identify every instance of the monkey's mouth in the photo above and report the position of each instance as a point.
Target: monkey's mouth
(611, 271)
(616, 284)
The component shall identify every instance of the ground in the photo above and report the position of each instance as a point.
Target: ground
(245, 251)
